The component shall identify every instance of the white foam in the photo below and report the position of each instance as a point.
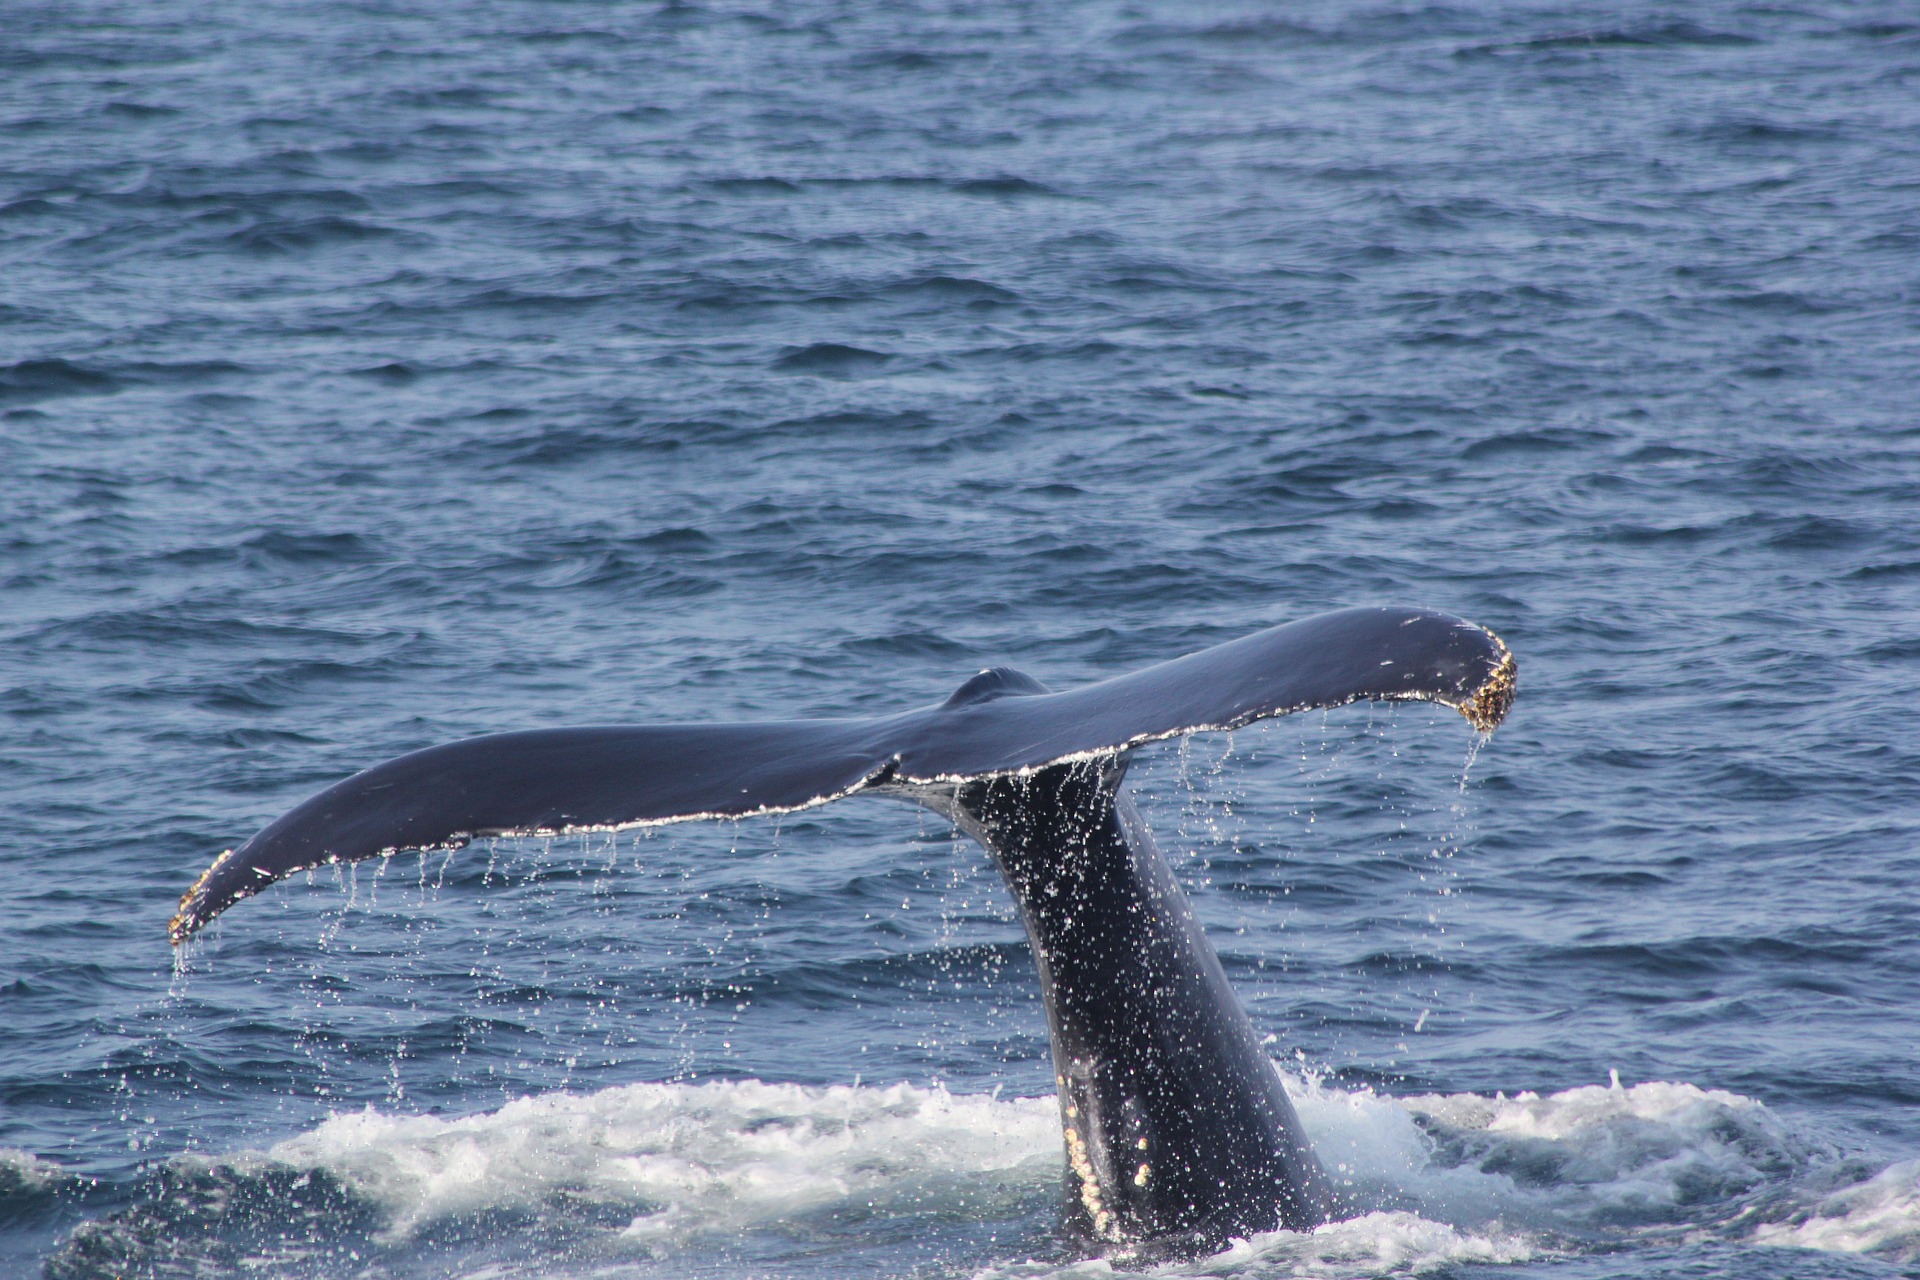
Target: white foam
(1374, 1244)
(22, 1171)
(1600, 1156)
(1435, 1180)
(691, 1158)
(1879, 1215)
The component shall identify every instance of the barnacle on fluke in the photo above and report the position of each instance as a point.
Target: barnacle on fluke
(1491, 701)
(183, 923)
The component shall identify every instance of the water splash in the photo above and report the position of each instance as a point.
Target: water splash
(622, 1181)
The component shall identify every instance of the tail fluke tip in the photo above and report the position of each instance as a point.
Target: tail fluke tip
(1488, 705)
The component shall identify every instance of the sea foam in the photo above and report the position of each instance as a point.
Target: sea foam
(689, 1159)
(624, 1179)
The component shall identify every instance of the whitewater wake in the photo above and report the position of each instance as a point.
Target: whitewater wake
(641, 1178)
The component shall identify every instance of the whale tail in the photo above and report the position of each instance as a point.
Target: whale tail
(1179, 1134)
(553, 781)
(1178, 1129)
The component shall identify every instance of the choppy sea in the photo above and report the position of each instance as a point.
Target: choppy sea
(379, 373)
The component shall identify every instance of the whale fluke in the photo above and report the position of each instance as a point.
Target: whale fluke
(552, 781)
(1179, 1134)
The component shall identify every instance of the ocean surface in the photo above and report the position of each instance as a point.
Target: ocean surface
(377, 374)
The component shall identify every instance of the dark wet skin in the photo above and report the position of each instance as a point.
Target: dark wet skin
(1178, 1131)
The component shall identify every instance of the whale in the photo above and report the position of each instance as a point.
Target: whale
(1177, 1131)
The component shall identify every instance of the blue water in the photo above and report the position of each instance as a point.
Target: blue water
(374, 375)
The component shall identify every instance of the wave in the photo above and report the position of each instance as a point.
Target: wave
(28, 1183)
(621, 1181)
(689, 1159)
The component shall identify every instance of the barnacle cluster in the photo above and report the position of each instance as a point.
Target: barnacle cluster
(1490, 702)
